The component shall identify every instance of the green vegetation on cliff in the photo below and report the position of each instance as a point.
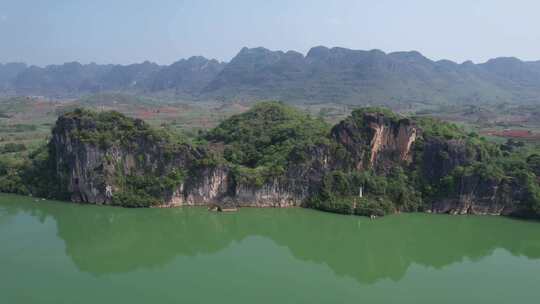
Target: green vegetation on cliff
(40, 174)
(145, 183)
(486, 165)
(349, 169)
(146, 190)
(111, 127)
(35, 174)
(261, 142)
(448, 162)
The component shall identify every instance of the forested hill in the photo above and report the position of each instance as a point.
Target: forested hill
(374, 162)
(322, 75)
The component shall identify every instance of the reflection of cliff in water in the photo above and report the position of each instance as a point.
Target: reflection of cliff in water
(104, 240)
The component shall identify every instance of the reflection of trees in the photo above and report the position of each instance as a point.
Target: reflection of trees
(107, 240)
(386, 248)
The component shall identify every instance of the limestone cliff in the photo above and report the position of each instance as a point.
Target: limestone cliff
(485, 197)
(468, 183)
(95, 168)
(377, 140)
(218, 184)
(103, 156)
(374, 160)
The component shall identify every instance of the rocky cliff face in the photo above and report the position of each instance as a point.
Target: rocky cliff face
(476, 195)
(217, 185)
(441, 156)
(473, 192)
(377, 141)
(94, 170)
(111, 159)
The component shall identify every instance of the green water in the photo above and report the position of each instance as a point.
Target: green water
(52, 252)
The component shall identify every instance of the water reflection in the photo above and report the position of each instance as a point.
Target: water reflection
(103, 240)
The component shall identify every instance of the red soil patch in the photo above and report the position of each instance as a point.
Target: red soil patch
(145, 114)
(168, 110)
(522, 134)
(41, 104)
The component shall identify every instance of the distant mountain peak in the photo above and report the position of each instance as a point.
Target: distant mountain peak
(410, 56)
(324, 74)
(318, 52)
(504, 61)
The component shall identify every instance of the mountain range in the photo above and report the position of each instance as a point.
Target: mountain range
(322, 75)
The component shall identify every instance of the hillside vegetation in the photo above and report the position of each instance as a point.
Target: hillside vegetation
(337, 169)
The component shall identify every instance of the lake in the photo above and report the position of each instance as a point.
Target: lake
(54, 252)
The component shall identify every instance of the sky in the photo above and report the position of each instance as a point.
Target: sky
(45, 32)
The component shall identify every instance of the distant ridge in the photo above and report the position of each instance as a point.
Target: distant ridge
(322, 75)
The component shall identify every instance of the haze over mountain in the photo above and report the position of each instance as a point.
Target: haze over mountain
(322, 75)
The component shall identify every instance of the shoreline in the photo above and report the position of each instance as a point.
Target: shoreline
(34, 199)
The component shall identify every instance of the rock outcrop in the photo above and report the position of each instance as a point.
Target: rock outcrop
(376, 140)
(93, 170)
(216, 185)
(441, 156)
(479, 196)
(107, 158)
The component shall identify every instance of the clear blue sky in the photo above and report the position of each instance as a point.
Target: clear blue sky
(107, 31)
